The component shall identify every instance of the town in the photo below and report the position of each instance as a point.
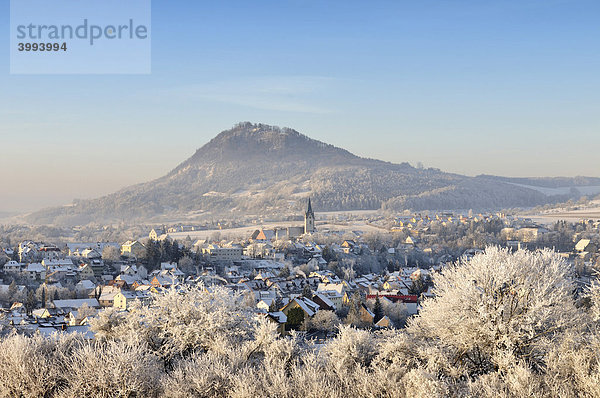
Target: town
(307, 278)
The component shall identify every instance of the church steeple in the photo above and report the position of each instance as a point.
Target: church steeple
(309, 210)
(309, 219)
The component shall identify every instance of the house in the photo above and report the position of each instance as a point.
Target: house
(384, 322)
(163, 281)
(156, 233)
(85, 272)
(77, 318)
(326, 276)
(278, 318)
(107, 296)
(124, 299)
(76, 303)
(49, 252)
(366, 315)
(125, 281)
(263, 235)
(324, 302)
(12, 267)
(217, 253)
(85, 286)
(35, 272)
(307, 306)
(337, 299)
(43, 313)
(336, 292)
(28, 251)
(91, 254)
(57, 264)
(265, 304)
(72, 318)
(97, 267)
(77, 249)
(585, 245)
(410, 241)
(348, 246)
(133, 248)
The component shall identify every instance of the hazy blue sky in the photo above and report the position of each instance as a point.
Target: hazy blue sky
(498, 87)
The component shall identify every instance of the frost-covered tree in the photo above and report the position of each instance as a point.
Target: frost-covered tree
(351, 348)
(111, 254)
(498, 305)
(502, 325)
(323, 320)
(186, 264)
(181, 322)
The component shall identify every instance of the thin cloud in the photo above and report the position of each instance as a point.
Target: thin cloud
(286, 93)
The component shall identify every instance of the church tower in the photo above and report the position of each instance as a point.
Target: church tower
(309, 219)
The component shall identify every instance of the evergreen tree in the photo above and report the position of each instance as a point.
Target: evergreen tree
(30, 302)
(295, 318)
(273, 307)
(285, 272)
(278, 303)
(12, 290)
(44, 297)
(306, 291)
(165, 250)
(97, 292)
(153, 254)
(377, 310)
(175, 253)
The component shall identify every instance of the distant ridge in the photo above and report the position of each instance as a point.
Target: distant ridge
(267, 170)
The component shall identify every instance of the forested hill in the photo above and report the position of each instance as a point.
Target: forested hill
(261, 169)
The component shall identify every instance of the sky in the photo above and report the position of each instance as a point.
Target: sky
(508, 88)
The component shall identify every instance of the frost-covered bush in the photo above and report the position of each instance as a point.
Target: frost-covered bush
(182, 322)
(31, 366)
(351, 348)
(502, 325)
(498, 305)
(323, 320)
(112, 369)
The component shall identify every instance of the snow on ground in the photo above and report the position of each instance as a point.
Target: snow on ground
(245, 232)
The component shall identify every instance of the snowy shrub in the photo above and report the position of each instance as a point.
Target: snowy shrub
(496, 304)
(183, 322)
(501, 325)
(351, 348)
(112, 369)
(202, 375)
(31, 366)
(323, 320)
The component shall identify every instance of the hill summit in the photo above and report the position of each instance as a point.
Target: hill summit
(267, 170)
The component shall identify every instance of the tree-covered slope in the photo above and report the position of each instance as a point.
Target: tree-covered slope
(261, 169)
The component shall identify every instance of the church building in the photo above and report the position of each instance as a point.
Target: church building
(309, 219)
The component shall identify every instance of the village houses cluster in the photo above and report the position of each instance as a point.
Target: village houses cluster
(284, 273)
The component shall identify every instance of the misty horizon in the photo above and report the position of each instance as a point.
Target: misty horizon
(62, 198)
(472, 89)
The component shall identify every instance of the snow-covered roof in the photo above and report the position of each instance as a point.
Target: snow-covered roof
(278, 316)
(85, 284)
(309, 306)
(75, 303)
(326, 300)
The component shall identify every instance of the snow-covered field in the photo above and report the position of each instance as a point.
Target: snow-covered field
(245, 232)
(589, 212)
(585, 190)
